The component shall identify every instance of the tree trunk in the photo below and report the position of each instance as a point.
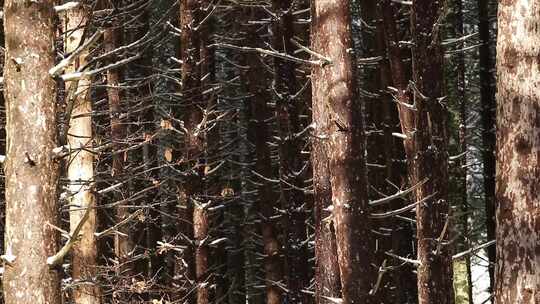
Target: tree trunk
(518, 154)
(428, 155)
(488, 103)
(192, 217)
(123, 242)
(405, 279)
(80, 172)
(334, 87)
(291, 162)
(463, 143)
(31, 172)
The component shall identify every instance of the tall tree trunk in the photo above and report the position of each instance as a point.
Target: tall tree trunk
(80, 172)
(428, 155)
(291, 162)
(404, 280)
(123, 242)
(31, 171)
(462, 163)
(488, 103)
(192, 217)
(334, 87)
(518, 154)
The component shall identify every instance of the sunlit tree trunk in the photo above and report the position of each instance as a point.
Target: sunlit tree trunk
(518, 153)
(334, 88)
(80, 172)
(31, 171)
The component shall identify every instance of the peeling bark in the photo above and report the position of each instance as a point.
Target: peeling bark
(31, 172)
(80, 172)
(518, 154)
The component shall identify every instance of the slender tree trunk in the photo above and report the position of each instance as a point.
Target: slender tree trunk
(428, 156)
(334, 87)
(194, 222)
(123, 243)
(31, 172)
(518, 154)
(462, 163)
(80, 170)
(405, 279)
(257, 83)
(487, 100)
(290, 159)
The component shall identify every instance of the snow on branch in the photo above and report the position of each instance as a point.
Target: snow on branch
(59, 257)
(56, 70)
(66, 6)
(85, 74)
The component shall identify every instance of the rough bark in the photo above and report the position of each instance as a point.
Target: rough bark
(334, 87)
(518, 156)
(31, 171)
(291, 162)
(427, 155)
(488, 103)
(405, 279)
(258, 82)
(80, 171)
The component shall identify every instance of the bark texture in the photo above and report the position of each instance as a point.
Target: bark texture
(334, 89)
(518, 155)
(80, 171)
(31, 171)
(427, 155)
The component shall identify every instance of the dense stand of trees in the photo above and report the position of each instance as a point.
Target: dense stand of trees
(284, 151)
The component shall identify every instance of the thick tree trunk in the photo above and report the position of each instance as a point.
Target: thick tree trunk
(31, 171)
(487, 100)
(518, 154)
(334, 87)
(428, 156)
(80, 172)
(291, 162)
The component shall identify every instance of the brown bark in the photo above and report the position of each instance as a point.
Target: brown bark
(257, 84)
(404, 279)
(188, 269)
(31, 171)
(123, 243)
(80, 170)
(291, 162)
(428, 156)
(334, 87)
(518, 156)
(488, 103)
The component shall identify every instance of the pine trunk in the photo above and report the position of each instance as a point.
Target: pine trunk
(427, 155)
(31, 171)
(334, 88)
(518, 154)
(80, 172)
